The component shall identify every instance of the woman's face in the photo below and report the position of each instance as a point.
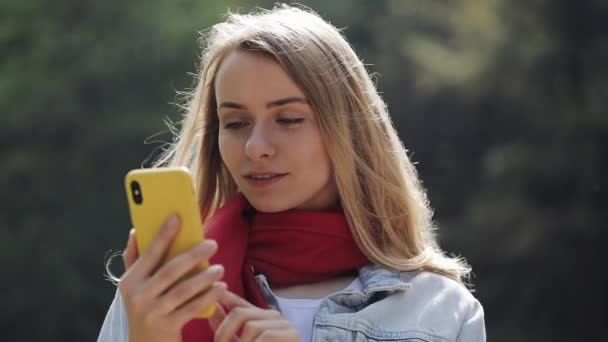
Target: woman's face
(269, 138)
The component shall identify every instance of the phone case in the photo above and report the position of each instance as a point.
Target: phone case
(161, 193)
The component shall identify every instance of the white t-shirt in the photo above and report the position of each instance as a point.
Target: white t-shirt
(300, 312)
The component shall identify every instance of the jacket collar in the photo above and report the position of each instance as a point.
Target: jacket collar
(376, 278)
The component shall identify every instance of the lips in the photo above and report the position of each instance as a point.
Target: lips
(263, 180)
(263, 175)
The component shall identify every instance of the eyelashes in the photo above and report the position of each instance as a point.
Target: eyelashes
(233, 125)
(283, 121)
(290, 121)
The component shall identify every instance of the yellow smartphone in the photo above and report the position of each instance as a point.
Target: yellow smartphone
(155, 194)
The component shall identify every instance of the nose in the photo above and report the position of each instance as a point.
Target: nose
(259, 144)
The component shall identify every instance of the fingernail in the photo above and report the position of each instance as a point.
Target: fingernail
(173, 222)
(202, 249)
(211, 245)
(216, 269)
(220, 285)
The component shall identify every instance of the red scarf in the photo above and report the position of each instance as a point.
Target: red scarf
(290, 248)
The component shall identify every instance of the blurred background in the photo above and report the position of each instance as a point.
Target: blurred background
(503, 105)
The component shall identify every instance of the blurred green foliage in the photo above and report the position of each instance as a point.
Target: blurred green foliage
(503, 105)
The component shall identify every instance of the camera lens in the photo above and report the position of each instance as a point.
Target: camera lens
(136, 192)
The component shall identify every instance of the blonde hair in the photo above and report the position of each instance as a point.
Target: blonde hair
(383, 200)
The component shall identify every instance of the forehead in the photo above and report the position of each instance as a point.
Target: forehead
(247, 76)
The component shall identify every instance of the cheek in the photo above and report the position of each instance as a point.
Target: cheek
(229, 151)
(324, 167)
(313, 161)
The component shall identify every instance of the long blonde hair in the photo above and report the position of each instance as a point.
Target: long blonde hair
(383, 200)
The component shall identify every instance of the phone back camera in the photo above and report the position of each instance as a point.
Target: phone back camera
(136, 192)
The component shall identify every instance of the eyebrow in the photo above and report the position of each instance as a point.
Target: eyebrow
(275, 103)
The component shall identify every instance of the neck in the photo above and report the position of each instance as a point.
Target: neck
(317, 290)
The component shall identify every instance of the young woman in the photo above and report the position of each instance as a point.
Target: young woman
(318, 227)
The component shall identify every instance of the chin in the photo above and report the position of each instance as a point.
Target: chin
(269, 208)
(266, 205)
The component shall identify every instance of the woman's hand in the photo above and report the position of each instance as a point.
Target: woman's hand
(159, 300)
(253, 323)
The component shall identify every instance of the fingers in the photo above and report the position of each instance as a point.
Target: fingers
(155, 254)
(162, 296)
(131, 253)
(259, 328)
(279, 335)
(231, 300)
(237, 318)
(218, 316)
(183, 291)
(253, 323)
(179, 266)
(201, 302)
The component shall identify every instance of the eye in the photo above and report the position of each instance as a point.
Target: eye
(235, 125)
(290, 121)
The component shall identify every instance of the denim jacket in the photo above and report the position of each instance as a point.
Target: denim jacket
(396, 306)
(393, 306)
